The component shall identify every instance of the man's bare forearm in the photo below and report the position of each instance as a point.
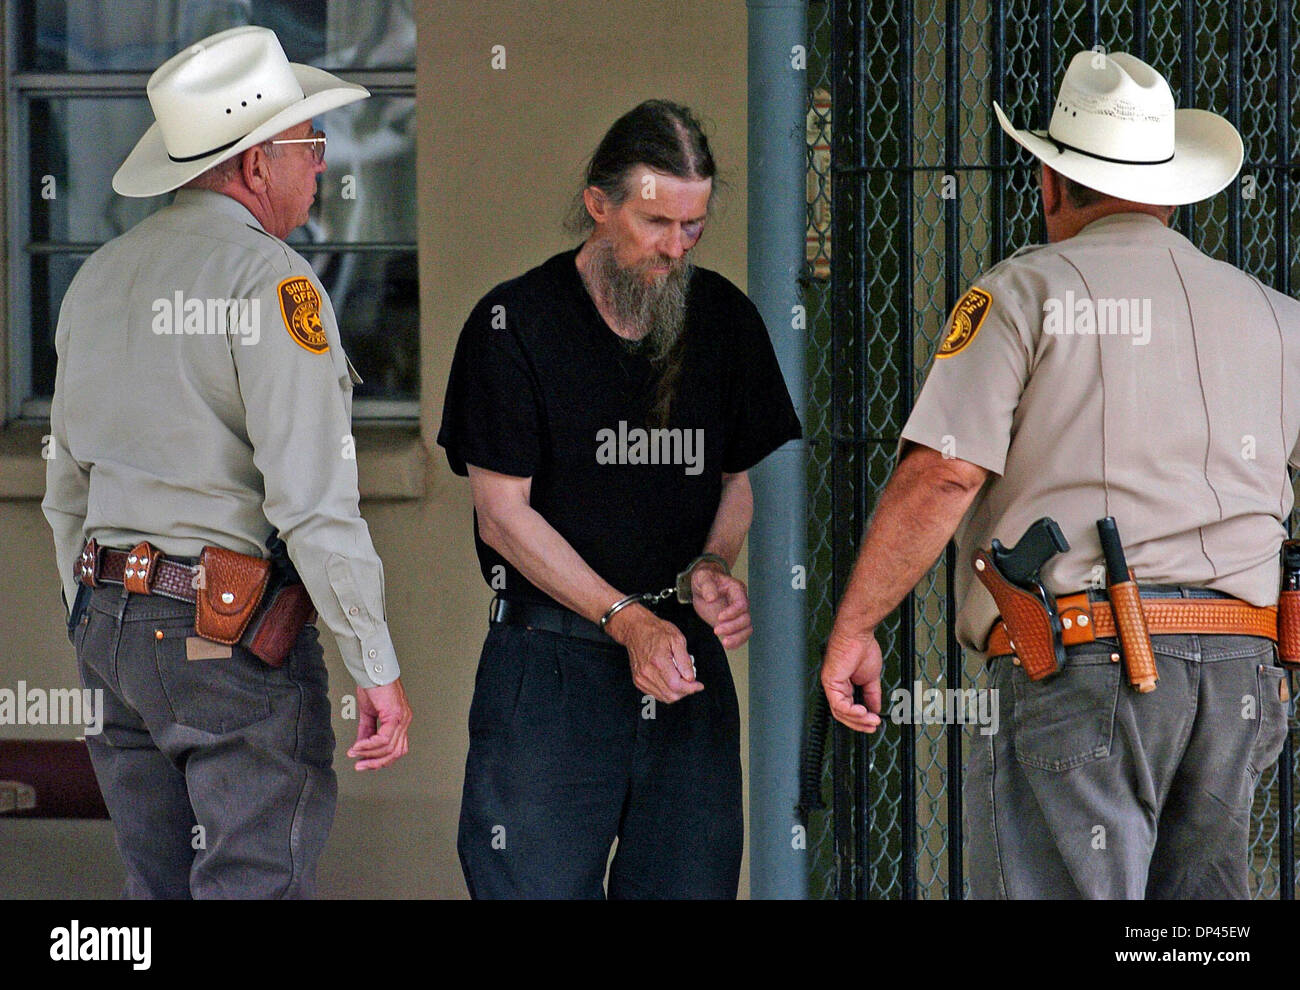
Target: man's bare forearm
(508, 523)
(548, 560)
(731, 521)
(916, 516)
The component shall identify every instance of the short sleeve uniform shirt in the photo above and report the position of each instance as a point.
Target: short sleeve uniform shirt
(1121, 372)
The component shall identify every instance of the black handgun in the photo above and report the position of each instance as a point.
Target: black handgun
(1020, 565)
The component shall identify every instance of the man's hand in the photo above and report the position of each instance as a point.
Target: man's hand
(723, 602)
(656, 650)
(385, 715)
(915, 517)
(853, 660)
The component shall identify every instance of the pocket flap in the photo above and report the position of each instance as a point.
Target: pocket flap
(231, 588)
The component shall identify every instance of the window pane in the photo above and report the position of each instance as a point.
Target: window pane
(139, 35)
(75, 145)
(374, 293)
(51, 275)
(376, 298)
(367, 192)
(78, 144)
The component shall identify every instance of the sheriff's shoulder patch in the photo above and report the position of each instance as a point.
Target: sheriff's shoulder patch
(300, 307)
(967, 316)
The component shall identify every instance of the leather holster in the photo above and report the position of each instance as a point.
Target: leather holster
(1035, 633)
(275, 626)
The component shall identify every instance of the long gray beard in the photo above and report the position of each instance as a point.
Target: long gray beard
(653, 309)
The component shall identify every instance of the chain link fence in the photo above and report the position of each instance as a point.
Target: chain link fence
(913, 190)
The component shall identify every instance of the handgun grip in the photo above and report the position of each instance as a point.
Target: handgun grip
(1029, 624)
(1020, 564)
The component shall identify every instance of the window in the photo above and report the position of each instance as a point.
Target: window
(76, 106)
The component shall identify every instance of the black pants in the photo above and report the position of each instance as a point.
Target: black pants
(566, 755)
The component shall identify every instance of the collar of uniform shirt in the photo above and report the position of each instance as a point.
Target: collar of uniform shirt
(1110, 220)
(208, 200)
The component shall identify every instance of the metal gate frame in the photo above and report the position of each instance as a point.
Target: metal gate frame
(910, 85)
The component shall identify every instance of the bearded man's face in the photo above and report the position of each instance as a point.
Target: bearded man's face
(640, 265)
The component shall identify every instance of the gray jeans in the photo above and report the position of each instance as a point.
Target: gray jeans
(1091, 790)
(217, 773)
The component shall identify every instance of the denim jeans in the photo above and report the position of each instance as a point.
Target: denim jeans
(1092, 790)
(217, 773)
(567, 756)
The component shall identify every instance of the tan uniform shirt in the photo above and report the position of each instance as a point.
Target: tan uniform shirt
(202, 397)
(1121, 372)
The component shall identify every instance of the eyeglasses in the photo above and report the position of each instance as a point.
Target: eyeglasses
(317, 141)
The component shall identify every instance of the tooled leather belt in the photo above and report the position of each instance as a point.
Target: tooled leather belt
(142, 570)
(1083, 621)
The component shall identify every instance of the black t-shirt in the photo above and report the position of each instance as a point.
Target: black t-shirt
(541, 388)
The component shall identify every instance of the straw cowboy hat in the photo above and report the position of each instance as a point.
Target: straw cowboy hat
(1114, 128)
(221, 96)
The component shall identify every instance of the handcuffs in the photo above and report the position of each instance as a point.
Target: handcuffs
(681, 590)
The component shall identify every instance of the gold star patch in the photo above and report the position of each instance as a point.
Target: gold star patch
(300, 307)
(967, 316)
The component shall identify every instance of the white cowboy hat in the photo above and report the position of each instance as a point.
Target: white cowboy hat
(221, 96)
(1114, 128)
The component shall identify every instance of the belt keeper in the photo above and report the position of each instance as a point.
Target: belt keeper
(1134, 636)
(141, 569)
(88, 564)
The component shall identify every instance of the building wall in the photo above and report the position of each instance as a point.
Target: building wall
(500, 157)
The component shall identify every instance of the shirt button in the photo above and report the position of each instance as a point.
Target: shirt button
(353, 610)
(372, 654)
(379, 668)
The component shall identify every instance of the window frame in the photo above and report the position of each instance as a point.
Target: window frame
(20, 89)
